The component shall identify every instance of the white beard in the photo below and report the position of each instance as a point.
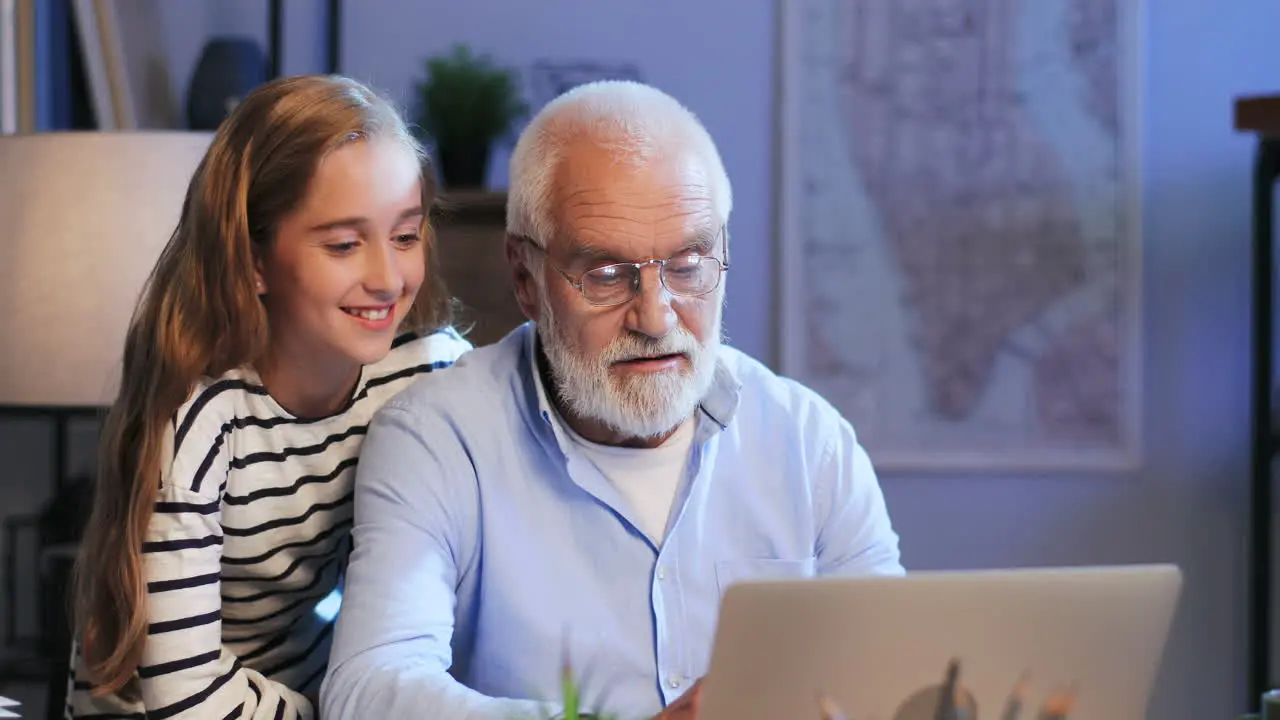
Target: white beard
(637, 406)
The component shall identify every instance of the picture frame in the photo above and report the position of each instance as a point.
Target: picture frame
(846, 323)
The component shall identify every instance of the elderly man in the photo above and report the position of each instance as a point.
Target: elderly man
(586, 488)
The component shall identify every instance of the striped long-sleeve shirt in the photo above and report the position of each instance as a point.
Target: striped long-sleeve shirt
(251, 532)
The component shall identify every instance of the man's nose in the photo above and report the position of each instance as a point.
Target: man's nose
(650, 312)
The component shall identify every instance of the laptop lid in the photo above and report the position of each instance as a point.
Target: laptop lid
(1088, 639)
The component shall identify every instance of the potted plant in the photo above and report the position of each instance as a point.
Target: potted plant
(465, 103)
(571, 697)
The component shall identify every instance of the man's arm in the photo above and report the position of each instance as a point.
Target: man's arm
(855, 536)
(415, 532)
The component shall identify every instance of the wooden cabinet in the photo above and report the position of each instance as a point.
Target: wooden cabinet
(471, 229)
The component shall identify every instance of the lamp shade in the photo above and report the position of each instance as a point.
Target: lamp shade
(83, 218)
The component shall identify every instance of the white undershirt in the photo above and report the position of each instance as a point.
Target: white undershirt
(647, 478)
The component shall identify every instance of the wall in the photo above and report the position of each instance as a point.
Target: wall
(1189, 504)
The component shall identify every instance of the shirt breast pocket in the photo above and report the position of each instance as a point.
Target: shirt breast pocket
(737, 570)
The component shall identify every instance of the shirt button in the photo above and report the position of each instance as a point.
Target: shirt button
(673, 681)
(662, 573)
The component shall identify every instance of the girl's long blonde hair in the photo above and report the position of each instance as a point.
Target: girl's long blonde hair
(199, 315)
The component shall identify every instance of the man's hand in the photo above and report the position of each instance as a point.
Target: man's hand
(684, 708)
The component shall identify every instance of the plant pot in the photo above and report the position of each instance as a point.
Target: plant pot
(463, 167)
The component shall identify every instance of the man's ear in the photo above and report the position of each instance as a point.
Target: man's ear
(523, 282)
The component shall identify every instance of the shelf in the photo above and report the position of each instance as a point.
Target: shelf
(471, 206)
(471, 232)
(1258, 114)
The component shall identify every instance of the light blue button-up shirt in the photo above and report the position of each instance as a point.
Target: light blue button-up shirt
(488, 548)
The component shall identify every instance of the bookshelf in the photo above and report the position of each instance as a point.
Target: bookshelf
(471, 239)
(1260, 116)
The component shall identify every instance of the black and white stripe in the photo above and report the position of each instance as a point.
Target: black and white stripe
(251, 531)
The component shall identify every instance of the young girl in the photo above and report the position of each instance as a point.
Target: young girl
(298, 293)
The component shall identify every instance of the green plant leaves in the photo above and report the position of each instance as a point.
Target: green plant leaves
(467, 101)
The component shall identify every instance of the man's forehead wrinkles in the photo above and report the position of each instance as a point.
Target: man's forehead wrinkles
(674, 205)
(686, 212)
(688, 192)
(604, 217)
(649, 216)
(644, 202)
(576, 195)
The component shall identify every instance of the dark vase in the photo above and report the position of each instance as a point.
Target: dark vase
(227, 70)
(463, 167)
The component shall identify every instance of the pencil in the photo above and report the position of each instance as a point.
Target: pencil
(962, 707)
(1017, 696)
(1059, 704)
(947, 693)
(828, 708)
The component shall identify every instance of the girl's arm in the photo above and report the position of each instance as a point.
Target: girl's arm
(186, 672)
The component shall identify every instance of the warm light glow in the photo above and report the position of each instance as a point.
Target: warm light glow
(83, 217)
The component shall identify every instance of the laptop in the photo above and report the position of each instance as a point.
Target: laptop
(991, 644)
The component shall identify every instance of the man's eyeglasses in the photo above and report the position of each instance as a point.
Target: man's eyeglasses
(686, 275)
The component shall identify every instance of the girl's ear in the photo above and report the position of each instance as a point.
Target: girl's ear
(259, 284)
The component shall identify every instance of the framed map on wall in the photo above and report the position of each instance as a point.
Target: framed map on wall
(960, 227)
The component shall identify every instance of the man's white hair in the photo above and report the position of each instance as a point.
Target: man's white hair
(638, 123)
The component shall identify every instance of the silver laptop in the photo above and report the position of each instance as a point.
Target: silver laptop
(1083, 643)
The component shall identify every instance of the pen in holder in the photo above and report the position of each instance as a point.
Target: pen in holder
(951, 700)
(1270, 705)
(955, 702)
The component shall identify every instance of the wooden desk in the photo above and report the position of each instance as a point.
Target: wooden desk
(1261, 116)
(471, 232)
